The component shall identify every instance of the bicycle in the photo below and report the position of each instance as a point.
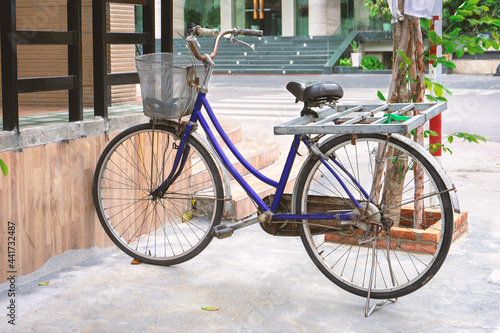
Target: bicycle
(363, 219)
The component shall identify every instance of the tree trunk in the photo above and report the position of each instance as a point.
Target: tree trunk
(408, 38)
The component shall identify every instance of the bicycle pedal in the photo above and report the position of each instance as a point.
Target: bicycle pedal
(222, 231)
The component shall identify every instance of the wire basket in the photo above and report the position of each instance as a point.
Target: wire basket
(168, 84)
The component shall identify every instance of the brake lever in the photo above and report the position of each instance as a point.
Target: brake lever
(234, 40)
(191, 38)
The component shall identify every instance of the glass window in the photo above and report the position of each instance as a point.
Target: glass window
(302, 18)
(259, 14)
(205, 13)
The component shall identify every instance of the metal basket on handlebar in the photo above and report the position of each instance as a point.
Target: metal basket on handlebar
(168, 84)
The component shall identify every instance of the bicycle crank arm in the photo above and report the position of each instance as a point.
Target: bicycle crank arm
(222, 231)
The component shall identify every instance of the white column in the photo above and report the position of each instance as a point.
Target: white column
(226, 15)
(324, 17)
(288, 17)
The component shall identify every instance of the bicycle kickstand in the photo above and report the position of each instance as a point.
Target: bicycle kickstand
(368, 310)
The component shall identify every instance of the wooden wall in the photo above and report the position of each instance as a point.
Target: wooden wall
(48, 195)
(51, 60)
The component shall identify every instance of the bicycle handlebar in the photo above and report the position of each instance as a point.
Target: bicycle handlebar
(248, 32)
(199, 31)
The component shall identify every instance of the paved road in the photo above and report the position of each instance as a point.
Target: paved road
(472, 108)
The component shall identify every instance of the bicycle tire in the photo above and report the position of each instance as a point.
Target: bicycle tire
(408, 255)
(164, 230)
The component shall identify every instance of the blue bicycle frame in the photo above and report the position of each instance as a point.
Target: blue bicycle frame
(183, 152)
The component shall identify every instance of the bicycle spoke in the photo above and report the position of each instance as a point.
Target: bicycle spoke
(404, 256)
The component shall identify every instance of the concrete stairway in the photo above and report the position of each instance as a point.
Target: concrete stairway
(264, 154)
(272, 55)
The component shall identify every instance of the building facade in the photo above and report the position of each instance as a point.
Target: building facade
(276, 17)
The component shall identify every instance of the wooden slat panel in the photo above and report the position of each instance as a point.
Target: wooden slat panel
(50, 201)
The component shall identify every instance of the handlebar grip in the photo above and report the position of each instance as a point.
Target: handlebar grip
(248, 32)
(205, 32)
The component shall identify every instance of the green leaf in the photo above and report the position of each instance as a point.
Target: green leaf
(209, 308)
(448, 64)
(479, 137)
(433, 36)
(46, 283)
(473, 21)
(381, 96)
(450, 47)
(457, 18)
(187, 216)
(455, 32)
(403, 55)
(431, 98)
(450, 139)
(464, 12)
(438, 90)
(448, 91)
(425, 23)
(472, 2)
(441, 99)
(4, 168)
(460, 50)
(431, 132)
(428, 83)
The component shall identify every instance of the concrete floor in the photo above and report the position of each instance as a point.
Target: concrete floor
(262, 283)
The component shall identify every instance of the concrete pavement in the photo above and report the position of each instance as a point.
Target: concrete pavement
(262, 283)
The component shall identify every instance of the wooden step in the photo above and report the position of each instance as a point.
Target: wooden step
(242, 206)
(231, 127)
(259, 154)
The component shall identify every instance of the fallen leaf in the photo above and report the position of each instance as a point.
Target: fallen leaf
(209, 309)
(187, 216)
(46, 283)
(135, 262)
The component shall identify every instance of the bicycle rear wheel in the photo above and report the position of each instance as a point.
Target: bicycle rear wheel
(161, 230)
(413, 236)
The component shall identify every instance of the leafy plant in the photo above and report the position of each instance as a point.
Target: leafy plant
(191, 16)
(454, 42)
(379, 8)
(354, 46)
(345, 62)
(371, 63)
(488, 10)
(461, 135)
(213, 18)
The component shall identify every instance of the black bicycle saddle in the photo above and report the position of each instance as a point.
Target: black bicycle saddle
(310, 92)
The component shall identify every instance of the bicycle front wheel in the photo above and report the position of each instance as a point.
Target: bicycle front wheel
(407, 230)
(162, 229)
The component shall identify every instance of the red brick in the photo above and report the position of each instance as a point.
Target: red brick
(417, 247)
(403, 233)
(430, 236)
